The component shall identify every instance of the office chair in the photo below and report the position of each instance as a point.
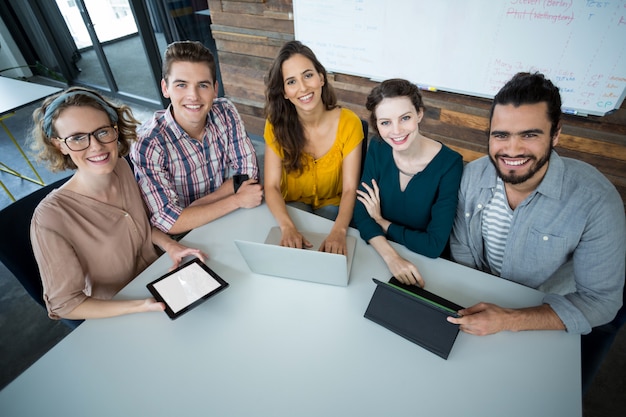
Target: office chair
(596, 345)
(16, 252)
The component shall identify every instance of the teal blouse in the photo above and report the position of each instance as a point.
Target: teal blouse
(422, 215)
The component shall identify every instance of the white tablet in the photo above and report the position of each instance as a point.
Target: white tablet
(186, 287)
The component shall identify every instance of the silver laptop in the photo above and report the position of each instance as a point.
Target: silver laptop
(270, 258)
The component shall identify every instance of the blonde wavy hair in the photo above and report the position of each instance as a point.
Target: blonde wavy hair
(43, 133)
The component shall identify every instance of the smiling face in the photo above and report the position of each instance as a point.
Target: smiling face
(98, 158)
(520, 142)
(302, 83)
(191, 88)
(397, 121)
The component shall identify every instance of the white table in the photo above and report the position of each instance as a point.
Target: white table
(15, 94)
(276, 347)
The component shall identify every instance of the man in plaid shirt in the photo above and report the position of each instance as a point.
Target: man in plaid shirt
(186, 155)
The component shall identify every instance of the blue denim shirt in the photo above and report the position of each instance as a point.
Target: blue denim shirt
(567, 239)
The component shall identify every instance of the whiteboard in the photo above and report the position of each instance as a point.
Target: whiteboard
(474, 46)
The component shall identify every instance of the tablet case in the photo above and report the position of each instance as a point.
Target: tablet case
(413, 318)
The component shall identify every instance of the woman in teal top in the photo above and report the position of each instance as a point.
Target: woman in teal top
(409, 186)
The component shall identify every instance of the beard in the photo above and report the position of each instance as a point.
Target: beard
(513, 177)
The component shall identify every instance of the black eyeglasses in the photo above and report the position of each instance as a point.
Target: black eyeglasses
(81, 141)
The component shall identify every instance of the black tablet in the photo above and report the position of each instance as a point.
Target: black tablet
(186, 287)
(434, 300)
(415, 314)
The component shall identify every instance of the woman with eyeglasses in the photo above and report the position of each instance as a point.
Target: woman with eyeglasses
(92, 236)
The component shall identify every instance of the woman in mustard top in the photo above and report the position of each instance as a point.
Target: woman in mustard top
(313, 152)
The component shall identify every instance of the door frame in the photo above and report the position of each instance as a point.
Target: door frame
(39, 11)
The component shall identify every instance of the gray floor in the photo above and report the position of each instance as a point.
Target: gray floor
(26, 333)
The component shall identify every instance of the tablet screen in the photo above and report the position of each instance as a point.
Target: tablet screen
(186, 287)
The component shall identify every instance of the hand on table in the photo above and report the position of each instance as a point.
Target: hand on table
(250, 194)
(150, 304)
(483, 319)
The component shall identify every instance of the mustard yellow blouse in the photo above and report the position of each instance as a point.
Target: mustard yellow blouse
(321, 181)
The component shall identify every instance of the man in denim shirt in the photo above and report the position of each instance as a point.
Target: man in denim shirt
(550, 223)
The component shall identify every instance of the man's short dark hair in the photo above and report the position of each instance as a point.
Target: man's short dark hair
(531, 88)
(187, 51)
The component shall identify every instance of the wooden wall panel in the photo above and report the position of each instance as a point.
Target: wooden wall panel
(249, 34)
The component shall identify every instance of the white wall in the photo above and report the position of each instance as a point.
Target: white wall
(474, 46)
(10, 56)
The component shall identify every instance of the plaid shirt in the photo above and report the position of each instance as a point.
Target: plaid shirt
(173, 169)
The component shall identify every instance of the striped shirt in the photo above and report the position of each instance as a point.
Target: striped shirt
(173, 169)
(496, 224)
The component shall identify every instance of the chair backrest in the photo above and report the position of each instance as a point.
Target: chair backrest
(364, 145)
(16, 252)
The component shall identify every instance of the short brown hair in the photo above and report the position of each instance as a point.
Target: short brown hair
(187, 51)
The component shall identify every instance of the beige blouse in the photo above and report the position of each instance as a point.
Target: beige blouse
(86, 248)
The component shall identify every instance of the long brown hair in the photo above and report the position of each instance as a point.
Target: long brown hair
(282, 114)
